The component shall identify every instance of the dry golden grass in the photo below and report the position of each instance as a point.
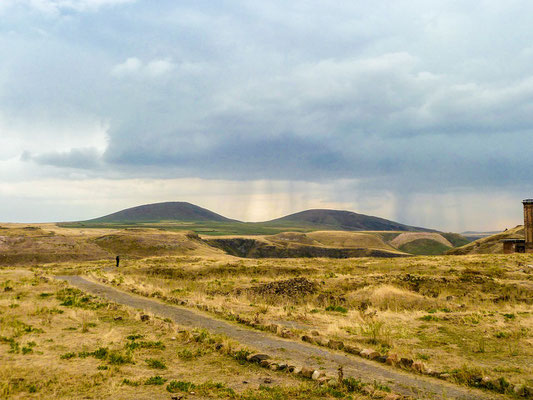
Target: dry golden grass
(453, 313)
(50, 338)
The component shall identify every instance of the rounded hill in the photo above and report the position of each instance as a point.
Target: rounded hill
(345, 220)
(169, 211)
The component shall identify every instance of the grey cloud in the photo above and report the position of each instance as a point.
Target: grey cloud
(255, 90)
(83, 158)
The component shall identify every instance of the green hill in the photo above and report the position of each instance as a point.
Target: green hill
(169, 211)
(490, 244)
(344, 220)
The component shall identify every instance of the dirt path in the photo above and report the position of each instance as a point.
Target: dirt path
(297, 353)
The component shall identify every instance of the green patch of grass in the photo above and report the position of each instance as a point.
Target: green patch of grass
(155, 380)
(339, 309)
(429, 318)
(118, 358)
(156, 364)
(67, 356)
(134, 337)
(130, 382)
(145, 345)
(424, 247)
(180, 386)
(352, 384)
(71, 297)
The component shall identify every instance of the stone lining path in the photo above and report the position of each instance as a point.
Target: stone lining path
(294, 352)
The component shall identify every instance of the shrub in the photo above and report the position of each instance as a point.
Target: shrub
(241, 355)
(67, 356)
(155, 380)
(157, 364)
(352, 384)
(118, 358)
(180, 386)
(130, 383)
(145, 345)
(340, 309)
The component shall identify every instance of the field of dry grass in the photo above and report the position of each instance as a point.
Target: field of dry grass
(56, 342)
(465, 317)
(468, 316)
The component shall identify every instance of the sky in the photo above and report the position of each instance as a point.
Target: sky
(412, 110)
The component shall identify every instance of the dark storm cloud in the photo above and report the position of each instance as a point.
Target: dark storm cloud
(408, 94)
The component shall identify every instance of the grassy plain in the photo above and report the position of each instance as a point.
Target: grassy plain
(57, 342)
(468, 316)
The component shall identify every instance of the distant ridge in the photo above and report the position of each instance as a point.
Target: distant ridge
(168, 211)
(346, 220)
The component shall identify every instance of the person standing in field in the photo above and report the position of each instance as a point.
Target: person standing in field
(118, 260)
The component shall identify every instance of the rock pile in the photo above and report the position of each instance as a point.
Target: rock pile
(295, 287)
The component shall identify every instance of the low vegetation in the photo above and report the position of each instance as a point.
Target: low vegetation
(468, 317)
(50, 355)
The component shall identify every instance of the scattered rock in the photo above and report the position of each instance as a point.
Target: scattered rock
(274, 366)
(315, 333)
(307, 372)
(145, 318)
(392, 359)
(419, 366)
(119, 318)
(308, 339)
(264, 363)
(382, 359)
(333, 383)
(257, 357)
(323, 380)
(297, 370)
(369, 353)
(282, 367)
(335, 344)
(444, 376)
(267, 380)
(290, 288)
(351, 349)
(406, 362)
(317, 375)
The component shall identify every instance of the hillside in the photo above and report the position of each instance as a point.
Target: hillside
(344, 220)
(335, 244)
(46, 243)
(179, 216)
(490, 244)
(169, 211)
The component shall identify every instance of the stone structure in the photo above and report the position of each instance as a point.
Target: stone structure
(513, 246)
(528, 224)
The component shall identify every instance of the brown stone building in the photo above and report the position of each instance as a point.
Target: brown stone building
(516, 245)
(528, 224)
